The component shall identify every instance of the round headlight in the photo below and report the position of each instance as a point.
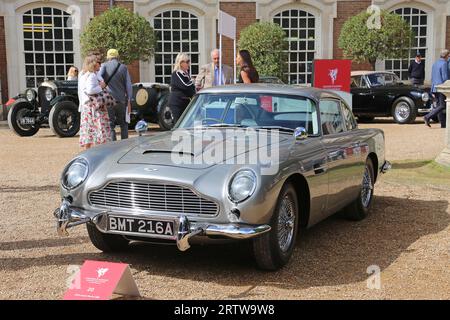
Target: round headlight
(425, 97)
(75, 174)
(49, 94)
(30, 94)
(242, 185)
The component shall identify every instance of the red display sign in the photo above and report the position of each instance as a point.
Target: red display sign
(98, 280)
(332, 74)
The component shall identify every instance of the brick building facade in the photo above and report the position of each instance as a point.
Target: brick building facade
(313, 27)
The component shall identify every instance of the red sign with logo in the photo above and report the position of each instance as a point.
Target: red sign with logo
(332, 74)
(98, 280)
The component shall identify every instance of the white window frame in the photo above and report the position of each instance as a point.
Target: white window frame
(317, 24)
(420, 13)
(192, 16)
(44, 29)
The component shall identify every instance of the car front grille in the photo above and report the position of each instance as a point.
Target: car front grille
(151, 197)
(43, 102)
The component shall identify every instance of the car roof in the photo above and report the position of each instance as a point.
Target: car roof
(367, 72)
(271, 88)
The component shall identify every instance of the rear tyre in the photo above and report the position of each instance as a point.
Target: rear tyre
(404, 110)
(106, 242)
(64, 119)
(359, 209)
(18, 111)
(166, 117)
(273, 249)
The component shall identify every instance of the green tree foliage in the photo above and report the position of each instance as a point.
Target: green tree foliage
(265, 41)
(121, 29)
(390, 39)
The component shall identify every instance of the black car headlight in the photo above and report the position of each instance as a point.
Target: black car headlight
(242, 185)
(49, 94)
(75, 173)
(30, 94)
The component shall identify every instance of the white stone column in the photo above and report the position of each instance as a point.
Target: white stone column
(444, 157)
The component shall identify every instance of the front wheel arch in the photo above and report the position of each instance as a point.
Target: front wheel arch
(303, 196)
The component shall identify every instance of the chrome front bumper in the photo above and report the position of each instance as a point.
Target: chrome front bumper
(67, 217)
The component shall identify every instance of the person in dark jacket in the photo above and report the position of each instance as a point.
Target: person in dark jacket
(416, 70)
(182, 87)
(248, 72)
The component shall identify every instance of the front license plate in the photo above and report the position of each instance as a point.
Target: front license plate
(145, 227)
(27, 120)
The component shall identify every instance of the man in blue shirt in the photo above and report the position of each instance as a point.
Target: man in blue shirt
(439, 74)
(209, 73)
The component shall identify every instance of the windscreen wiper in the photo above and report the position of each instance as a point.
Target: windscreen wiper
(280, 128)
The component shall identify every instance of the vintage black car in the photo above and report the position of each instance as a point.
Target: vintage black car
(55, 103)
(150, 103)
(383, 94)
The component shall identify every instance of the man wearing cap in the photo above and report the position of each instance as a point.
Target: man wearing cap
(439, 74)
(416, 70)
(118, 81)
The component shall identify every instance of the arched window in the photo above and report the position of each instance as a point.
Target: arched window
(48, 45)
(177, 31)
(418, 20)
(300, 27)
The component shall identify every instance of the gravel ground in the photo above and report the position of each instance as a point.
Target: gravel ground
(407, 236)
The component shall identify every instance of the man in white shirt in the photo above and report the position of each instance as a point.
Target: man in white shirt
(209, 73)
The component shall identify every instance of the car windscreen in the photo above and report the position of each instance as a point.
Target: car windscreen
(251, 110)
(382, 79)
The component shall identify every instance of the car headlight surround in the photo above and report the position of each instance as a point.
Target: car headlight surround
(242, 185)
(425, 97)
(49, 94)
(30, 94)
(75, 173)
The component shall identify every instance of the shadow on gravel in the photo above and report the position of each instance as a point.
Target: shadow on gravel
(334, 252)
(41, 243)
(410, 165)
(54, 188)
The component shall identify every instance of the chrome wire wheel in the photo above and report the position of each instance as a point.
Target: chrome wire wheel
(367, 188)
(402, 111)
(286, 223)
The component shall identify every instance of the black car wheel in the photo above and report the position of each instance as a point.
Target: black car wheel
(404, 110)
(64, 119)
(21, 119)
(273, 249)
(165, 116)
(106, 242)
(359, 209)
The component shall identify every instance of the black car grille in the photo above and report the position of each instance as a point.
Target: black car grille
(43, 103)
(152, 197)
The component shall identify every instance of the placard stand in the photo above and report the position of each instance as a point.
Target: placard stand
(99, 280)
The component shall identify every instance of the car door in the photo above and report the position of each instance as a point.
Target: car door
(362, 97)
(341, 148)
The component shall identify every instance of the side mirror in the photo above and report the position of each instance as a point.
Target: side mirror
(300, 133)
(141, 127)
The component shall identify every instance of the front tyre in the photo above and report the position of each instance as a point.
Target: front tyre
(359, 209)
(404, 110)
(106, 242)
(19, 117)
(64, 119)
(273, 249)
(166, 117)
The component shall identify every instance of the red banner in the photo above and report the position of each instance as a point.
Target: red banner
(332, 74)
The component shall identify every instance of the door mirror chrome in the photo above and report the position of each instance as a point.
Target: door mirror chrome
(141, 127)
(300, 133)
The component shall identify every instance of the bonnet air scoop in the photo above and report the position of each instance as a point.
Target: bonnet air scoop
(180, 153)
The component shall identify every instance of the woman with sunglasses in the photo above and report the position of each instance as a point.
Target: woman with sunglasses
(182, 86)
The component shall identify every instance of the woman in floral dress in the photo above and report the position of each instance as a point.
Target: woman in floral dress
(94, 101)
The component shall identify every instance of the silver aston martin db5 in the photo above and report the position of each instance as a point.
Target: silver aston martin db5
(244, 162)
